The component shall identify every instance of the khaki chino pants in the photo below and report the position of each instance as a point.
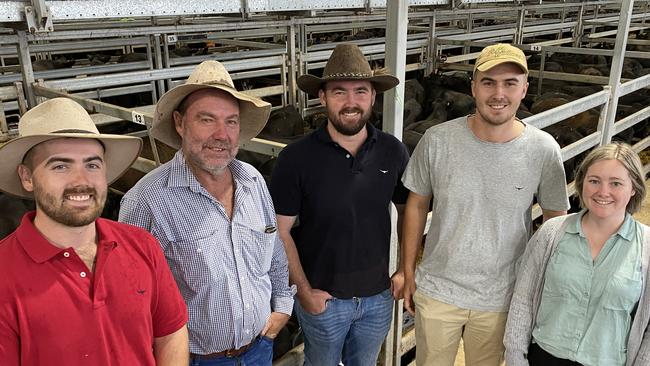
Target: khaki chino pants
(439, 327)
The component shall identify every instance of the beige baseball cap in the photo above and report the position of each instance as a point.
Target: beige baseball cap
(499, 53)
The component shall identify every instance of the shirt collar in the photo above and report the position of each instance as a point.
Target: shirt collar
(182, 176)
(626, 231)
(324, 135)
(41, 250)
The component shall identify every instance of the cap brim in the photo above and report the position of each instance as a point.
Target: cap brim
(253, 113)
(120, 153)
(311, 84)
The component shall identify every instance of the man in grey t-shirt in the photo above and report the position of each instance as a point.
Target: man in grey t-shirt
(482, 171)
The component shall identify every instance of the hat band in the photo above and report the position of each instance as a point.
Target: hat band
(74, 131)
(348, 75)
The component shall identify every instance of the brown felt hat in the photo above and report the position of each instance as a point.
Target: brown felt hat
(347, 62)
(62, 118)
(253, 111)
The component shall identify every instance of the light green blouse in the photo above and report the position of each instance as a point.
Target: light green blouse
(586, 308)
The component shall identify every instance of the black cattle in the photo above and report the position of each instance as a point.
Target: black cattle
(548, 101)
(98, 58)
(548, 66)
(132, 57)
(457, 104)
(565, 135)
(414, 90)
(631, 68)
(191, 49)
(283, 123)
(412, 112)
(266, 169)
(458, 81)
(451, 91)
(13, 209)
(59, 62)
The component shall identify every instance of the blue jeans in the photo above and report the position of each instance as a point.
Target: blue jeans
(260, 354)
(349, 330)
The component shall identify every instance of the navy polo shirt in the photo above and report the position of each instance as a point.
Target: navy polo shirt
(342, 204)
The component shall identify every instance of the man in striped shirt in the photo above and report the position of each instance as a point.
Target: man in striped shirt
(215, 220)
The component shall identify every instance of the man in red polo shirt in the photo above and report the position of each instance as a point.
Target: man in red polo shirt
(77, 289)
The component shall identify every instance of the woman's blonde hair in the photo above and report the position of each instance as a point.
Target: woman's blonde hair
(630, 160)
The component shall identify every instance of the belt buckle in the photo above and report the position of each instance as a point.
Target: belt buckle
(231, 353)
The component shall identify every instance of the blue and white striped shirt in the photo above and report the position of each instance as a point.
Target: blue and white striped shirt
(232, 273)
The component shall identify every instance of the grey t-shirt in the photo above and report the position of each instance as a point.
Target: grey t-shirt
(482, 198)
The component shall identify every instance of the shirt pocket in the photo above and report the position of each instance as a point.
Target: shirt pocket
(622, 292)
(257, 248)
(200, 262)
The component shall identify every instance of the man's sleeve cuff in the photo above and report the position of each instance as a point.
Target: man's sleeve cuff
(283, 304)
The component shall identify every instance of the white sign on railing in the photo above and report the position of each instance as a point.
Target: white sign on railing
(137, 117)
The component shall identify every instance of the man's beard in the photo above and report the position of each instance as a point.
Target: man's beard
(199, 160)
(349, 129)
(56, 209)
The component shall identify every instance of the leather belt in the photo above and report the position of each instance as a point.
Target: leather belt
(227, 353)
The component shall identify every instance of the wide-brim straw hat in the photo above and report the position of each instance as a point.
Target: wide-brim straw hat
(347, 62)
(253, 112)
(61, 118)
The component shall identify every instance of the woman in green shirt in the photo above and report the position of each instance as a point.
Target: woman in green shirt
(580, 297)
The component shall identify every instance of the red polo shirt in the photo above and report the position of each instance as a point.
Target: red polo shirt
(54, 311)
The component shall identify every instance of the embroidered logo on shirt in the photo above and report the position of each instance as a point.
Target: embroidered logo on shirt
(141, 292)
(383, 171)
(519, 188)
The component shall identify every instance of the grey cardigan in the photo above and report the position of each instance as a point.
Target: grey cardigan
(528, 293)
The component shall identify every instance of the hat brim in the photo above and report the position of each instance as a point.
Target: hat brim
(498, 61)
(253, 113)
(119, 154)
(311, 84)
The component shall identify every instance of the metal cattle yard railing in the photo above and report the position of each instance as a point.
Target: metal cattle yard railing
(239, 69)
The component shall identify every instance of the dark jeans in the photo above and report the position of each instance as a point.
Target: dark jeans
(538, 357)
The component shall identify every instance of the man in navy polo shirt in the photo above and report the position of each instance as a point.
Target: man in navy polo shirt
(337, 184)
